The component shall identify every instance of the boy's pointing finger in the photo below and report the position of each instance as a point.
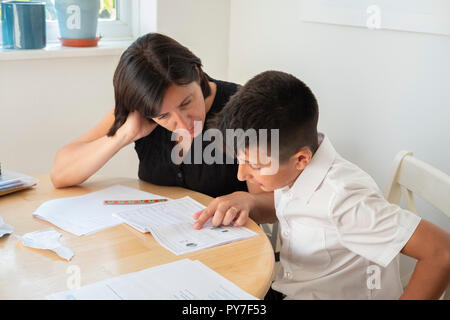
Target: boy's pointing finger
(203, 216)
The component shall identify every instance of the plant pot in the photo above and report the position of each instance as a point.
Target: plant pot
(77, 19)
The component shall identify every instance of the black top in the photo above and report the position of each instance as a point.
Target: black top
(156, 166)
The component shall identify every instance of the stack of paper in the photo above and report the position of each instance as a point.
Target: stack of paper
(88, 214)
(11, 180)
(181, 280)
(171, 224)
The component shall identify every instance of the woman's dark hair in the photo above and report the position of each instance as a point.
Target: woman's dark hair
(273, 100)
(145, 71)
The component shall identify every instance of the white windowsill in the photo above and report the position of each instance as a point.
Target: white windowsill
(55, 50)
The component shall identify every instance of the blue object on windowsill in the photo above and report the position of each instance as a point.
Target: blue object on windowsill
(23, 25)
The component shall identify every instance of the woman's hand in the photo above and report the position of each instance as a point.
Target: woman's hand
(136, 127)
(234, 207)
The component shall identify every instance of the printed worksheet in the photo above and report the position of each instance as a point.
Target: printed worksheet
(171, 224)
(180, 280)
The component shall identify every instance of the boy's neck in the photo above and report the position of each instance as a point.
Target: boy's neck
(295, 179)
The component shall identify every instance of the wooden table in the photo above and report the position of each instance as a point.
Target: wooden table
(27, 273)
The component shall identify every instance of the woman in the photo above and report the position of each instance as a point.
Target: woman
(159, 88)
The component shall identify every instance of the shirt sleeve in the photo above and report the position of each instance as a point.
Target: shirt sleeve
(368, 224)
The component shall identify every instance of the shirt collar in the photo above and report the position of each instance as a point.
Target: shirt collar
(314, 173)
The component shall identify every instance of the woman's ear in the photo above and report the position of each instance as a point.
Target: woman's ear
(302, 158)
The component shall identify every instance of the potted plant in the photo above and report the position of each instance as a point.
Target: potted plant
(78, 20)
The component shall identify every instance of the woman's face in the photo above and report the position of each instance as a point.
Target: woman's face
(181, 106)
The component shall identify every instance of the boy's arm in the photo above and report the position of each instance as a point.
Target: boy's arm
(264, 205)
(430, 245)
(264, 208)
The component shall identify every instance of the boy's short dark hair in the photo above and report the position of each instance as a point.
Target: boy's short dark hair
(274, 100)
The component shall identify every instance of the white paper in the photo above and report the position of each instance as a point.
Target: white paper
(11, 180)
(46, 239)
(179, 280)
(171, 224)
(5, 228)
(88, 214)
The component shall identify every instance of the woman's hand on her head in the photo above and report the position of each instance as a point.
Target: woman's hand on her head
(136, 127)
(232, 208)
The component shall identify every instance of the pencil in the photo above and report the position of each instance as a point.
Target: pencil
(134, 201)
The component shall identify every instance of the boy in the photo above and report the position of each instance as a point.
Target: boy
(340, 238)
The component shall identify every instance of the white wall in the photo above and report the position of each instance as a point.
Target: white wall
(379, 91)
(47, 103)
(202, 26)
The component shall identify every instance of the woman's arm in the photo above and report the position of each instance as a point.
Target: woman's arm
(84, 156)
(430, 245)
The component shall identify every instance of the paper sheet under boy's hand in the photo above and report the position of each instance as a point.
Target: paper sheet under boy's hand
(5, 228)
(47, 239)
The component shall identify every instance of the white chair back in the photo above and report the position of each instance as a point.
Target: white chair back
(409, 176)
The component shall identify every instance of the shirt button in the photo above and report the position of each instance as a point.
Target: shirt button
(179, 175)
(287, 274)
(286, 233)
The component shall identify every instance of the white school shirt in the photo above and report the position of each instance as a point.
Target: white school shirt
(340, 238)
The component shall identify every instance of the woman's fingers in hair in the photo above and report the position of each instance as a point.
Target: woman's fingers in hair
(136, 127)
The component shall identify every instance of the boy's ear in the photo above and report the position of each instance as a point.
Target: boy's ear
(302, 158)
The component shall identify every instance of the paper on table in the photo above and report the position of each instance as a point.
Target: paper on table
(87, 214)
(5, 228)
(47, 239)
(171, 224)
(179, 280)
(10, 180)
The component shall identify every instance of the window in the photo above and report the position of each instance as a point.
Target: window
(114, 20)
(108, 10)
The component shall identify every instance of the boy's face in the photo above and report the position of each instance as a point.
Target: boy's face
(252, 165)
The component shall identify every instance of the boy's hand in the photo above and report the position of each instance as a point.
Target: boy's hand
(224, 210)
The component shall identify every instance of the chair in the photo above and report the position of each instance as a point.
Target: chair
(410, 175)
